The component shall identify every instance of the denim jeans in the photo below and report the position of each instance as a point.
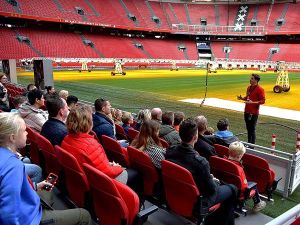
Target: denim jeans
(34, 172)
(227, 196)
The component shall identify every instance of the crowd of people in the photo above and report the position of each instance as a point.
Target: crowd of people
(64, 122)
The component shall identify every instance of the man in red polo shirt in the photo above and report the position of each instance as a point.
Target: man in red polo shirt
(255, 96)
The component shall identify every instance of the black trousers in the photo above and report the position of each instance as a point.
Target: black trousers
(251, 121)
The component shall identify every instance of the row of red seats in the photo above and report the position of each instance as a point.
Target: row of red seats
(112, 13)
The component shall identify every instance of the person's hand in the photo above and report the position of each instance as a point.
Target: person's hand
(239, 97)
(42, 185)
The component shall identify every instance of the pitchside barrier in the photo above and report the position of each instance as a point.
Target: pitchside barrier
(285, 165)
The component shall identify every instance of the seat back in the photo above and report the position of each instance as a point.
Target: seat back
(114, 151)
(132, 133)
(143, 163)
(180, 188)
(228, 172)
(164, 143)
(75, 178)
(257, 170)
(51, 161)
(114, 202)
(120, 133)
(35, 154)
(221, 150)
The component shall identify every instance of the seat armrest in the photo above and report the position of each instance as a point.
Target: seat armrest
(142, 216)
(251, 186)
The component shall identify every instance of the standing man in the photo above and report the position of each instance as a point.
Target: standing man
(255, 96)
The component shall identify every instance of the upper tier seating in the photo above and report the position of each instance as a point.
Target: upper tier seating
(70, 45)
(114, 13)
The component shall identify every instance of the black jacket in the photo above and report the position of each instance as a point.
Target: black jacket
(169, 134)
(205, 147)
(185, 156)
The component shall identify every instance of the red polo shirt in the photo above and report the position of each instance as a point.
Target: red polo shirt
(255, 93)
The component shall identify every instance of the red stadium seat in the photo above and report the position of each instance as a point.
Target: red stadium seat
(35, 154)
(114, 202)
(114, 151)
(49, 155)
(120, 133)
(143, 163)
(164, 143)
(221, 150)
(181, 191)
(254, 165)
(132, 133)
(75, 178)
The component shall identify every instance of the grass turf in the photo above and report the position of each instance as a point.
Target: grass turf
(162, 88)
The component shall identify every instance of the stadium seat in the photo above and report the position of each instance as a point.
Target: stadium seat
(229, 173)
(164, 143)
(143, 164)
(114, 151)
(114, 202)
(181, 191)
(221, 150)
(75, 178)
(120, 133)
(254, 165)
(132, 133)
(49, 155)
(34, 152)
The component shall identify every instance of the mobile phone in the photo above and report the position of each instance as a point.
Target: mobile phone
(52, 178)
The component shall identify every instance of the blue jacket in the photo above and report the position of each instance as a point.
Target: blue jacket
(102, 125)
(224, 134)
(19, 203)
(54, 130)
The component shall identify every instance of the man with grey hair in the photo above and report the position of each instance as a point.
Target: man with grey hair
(203, 145)
(156, 114)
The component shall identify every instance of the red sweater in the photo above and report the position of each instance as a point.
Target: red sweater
(242, 175)
(254, 94)
(86, 149)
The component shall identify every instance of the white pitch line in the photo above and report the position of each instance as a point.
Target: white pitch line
(239, 106)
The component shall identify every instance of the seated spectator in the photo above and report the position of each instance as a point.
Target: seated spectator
(4, 100)
(20, 204)
(223, 136)
(203, 146)
(127, 120)
(54, 129)
(29, 87)
(18, 101)
(49, 91)
(178, 118)
(117, 116)
(213, 193)
(32, 114)
(167, 131)
(148, 142)
(85, 148)
(63, 94)
(236, 152)
(72, 101)
(156, 114)
(143, 115)
(102, 122)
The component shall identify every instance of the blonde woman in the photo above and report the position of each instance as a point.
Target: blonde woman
(20, 204)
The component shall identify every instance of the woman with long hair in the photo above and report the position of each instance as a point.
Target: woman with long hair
(148, 141)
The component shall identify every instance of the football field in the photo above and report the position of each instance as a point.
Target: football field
(164, 88)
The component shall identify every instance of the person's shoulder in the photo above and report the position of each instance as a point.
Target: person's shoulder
(200, 159)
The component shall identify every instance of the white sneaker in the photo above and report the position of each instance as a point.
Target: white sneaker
(259, 206)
